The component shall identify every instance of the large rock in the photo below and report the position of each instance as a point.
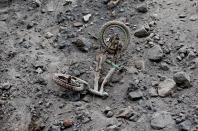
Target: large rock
(185, 126)
(135, 95)
(161, 120)
(155, 53)
(182, 79)
(166, 87)
(141, 32)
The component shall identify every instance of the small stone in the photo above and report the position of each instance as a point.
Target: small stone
(196, 110)
(181, 78)
(164, 66)
(142, 8)
(139, 64)
(152, 92)
(86, 17)
(132, 87)
(68, 123)
(125, 112)
(48, 35)
(182, 16)
(185, 126)
(112, 128)
(37, 2)
(155, 53)
(166, 87)
(193, 18)
(5, 86)
(107, 109)
(30, 25)
(77, 24)
(136, 95)
(109, 114)
(134, 117)
(161, 120)
(141, 32)
(54, 128)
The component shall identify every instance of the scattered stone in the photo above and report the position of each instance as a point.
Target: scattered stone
(155, 53)
(142, 32)
(166, 87)
(142, 8)
(68, 123)
(161, 120)
(153, 92)
(83, 44)
(139, 64)
(125, 112)
(185, 126)
(86, 17)
(182, 79)
(37, 2)
(48, 35)
(193, 18)
(54, 128)
(136, 95)
(77, 24)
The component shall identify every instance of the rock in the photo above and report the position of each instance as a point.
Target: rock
(164, 66)
(68, 123)
(193, 18)
(109, 114)
(125, 112)
(107, 109)
(86, 17)
(51, 6)
(185, 126)
(37, 2)
(112, 128)
(3, 27)
(141, 32)
(54, 128)
(82, 43)
(136, 95)
(152, 92)
(77, 24)
(30, 25)
(113, 3)
(155, 53)
(134, 117)
(132, 87)
(48, 35)
(166, 87)
(142, 8)
(139, 64)
(182, 79)
(161, 120)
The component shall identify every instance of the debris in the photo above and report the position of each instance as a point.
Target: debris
(68, 123)
(166, 87)
(161, 120)
(77, 24)
(86, 17)
(136, 95)
(142, 32)
(112, 4)
(125, 112)
(142, 8)
(182, 79)
(155, 53)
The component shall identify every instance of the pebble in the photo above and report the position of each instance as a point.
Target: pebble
(134, 117)
(142, 8)
(181, 78)
(132, 87)
(125, 112)
(82, 43)
(141, 32)
(30, 25)
(48, 35)
(109, 114)
(161, 120)
(193, 18)
(112, 128)
(136, 95)
(139, 64)
(86, 17)
(5, 86)
(155, 53)
(68, 123)
(164, 66)
(77, 24)
(166, 87)
(37, 2)
(185, 126)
